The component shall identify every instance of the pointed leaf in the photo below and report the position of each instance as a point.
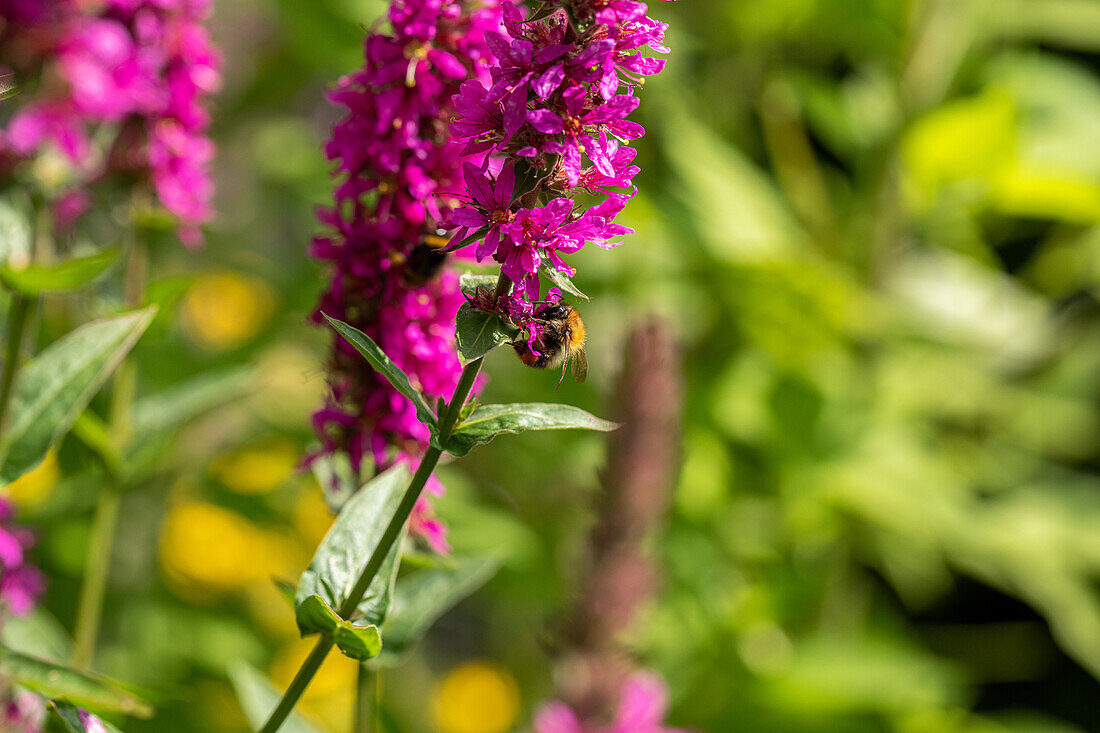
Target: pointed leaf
(15, 234)
(56, 681)
(489, 421)
(80, 721)
(477, 333)
(336, 477)
(67, 275)
(258, 697)
(562, 281)
(55, 387)
(424, 596)
(385, 366)
(348, 546)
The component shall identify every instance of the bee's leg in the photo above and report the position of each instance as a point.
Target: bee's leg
(564, 364)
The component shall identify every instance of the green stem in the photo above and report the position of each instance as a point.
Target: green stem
(90, 605)
(408, 501)
(18, 315)
(97, 566)
(368, 697)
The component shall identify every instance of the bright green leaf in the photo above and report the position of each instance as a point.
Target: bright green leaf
(357, 642)
(489, 421)
(258, 697)
(68, 275)
(424, 596)
(70, 715)
(37, 634)
(385, 366)
(55, 681)
(477, 333)
(348, 546)
(55, 386)
(15, 235)
(563, 282)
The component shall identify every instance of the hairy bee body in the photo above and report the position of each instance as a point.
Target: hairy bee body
(562, 340)
(424, 262)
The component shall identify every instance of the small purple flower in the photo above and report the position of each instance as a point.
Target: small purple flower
(21, 584)
(642, 708)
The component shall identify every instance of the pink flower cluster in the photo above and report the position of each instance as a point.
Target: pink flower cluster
(552, 123)
(139, 68)
(395, 160)
(642, 708)
(20, 582)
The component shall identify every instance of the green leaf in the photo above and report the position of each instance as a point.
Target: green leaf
(336, 477)
(286, 589)
(385, 366)
(68, 275)
(70, 715)
(489, 421)
(563, 282)
(57, 385)
(258, 697)
(357, 642)
(469, 282)
(55, 681)
(424, 596)
(347, 547)
(38, 634)
(477, 333)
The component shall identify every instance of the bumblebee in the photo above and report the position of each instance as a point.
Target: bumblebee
(562, 339)
(424, 262)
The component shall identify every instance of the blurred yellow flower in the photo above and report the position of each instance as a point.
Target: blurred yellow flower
(476, 697)
(223, 310)
(258, 469)
(36, 485)
(328, 698)
(205, 548)
(312, 517)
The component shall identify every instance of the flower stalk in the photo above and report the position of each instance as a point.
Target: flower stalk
(447, 422)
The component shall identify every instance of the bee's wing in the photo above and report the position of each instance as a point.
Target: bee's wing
(580, 365)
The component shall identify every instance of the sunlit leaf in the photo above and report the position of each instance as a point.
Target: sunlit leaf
(66, 275)
(56, 385)
(56, 681)
(354, 640)
(563, 282)
(348, 546)
(488, 421)
(385, 366)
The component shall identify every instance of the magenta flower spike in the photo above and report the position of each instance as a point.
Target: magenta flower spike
(554, 117)
(397, 169)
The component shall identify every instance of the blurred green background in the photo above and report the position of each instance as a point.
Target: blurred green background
(875, 226)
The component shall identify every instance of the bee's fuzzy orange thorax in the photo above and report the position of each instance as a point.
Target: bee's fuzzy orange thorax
(576, 331)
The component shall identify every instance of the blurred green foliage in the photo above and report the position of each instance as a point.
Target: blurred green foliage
(876, 227)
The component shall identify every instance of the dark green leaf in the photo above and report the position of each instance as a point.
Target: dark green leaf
(478, 333)
(563, 282)
(55, 386)
(55, 681)
(348, 546)
(489, 421)
(68, 275)
(70, 715)
(258, 697)
(424, 596)
(385, 366)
